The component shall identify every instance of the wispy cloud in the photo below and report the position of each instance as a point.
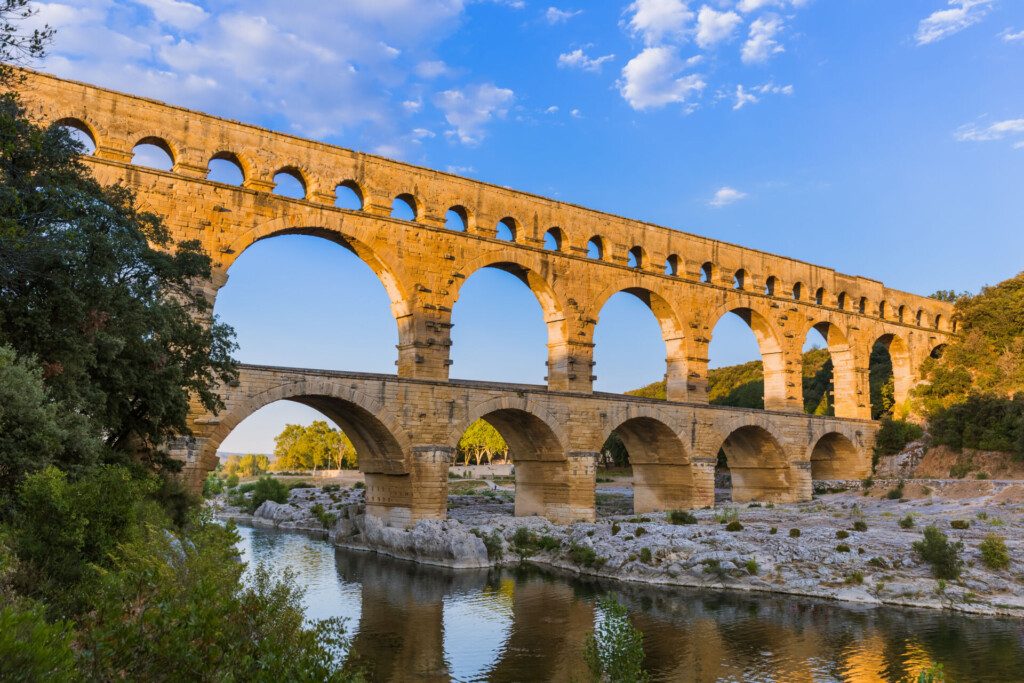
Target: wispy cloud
(469, 110)
(725, 196)
(1009, 36)
(761, 42)
(943, 23)
(1012, 129)
(553, 15)
(578, 59)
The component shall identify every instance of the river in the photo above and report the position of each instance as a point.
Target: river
(422, 623)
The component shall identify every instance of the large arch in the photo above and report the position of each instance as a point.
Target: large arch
(902, 374)
(672, 334)
(769, 345)
(550, 301)
(834, 456)
(845, 401)
(662, 478)
(758, 464)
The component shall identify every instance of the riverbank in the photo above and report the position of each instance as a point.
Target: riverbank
(848, 546)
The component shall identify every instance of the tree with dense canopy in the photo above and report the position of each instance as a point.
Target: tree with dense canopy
(481, 441)
(313, 447)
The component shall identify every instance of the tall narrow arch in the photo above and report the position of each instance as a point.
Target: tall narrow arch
(739, 280)
(770, 285)
(841, 301)
(672, 265)
(404, 207)
(769, 347)
(798, 291)
(832, 388)
(595, 248)
(635, 258)
(507, 229)
(457, 218)
(890, 375)
(554, 239)
(672, 336)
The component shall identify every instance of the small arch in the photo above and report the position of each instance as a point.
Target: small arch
(770, 285)
(798, 291)
(882, 310)
(403, 207)
(153, 152)
(595, 248)
(226, 168)
(841, 301)
(672, 265)
(819, 296)
(937, 352)
(739, 280)
(919, 317)
(835, 457)
(901, 312)
(348, 195)
(862, 305)
(955, 325)
(457, 219)
(506, 229)
(554, 238)
(707, 272)
(288, 182)
(938, 321)
(80, 132)
(757, 465)
(635, 258)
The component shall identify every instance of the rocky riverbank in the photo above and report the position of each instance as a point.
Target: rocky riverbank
(855, 545)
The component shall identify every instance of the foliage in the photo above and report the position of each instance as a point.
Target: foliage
(960, 524)
(645, 555)
(932, 674)
(907, 522)
(481, 441)
(613, 452)
(842, 534)
(267, 488)
(326, 519)
(895, 493)
(894, 435)
(681, 517)
(881, 385)
(250, 465)
(313, 447)
(943, 556)
(188, 590)
(585, 556)
(794, 533)
(842, 548)
(100, 295)
(982, 422)
(860, 525)
(31, 649)
(524, 543)
(994, 553)
(752, 567)
(614, 650)
(35, 431)
(213, 485)
(734, 525)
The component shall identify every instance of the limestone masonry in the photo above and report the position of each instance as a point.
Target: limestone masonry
(405, 427)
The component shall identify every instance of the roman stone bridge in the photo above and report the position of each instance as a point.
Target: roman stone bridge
(405, 431)
(573, 260)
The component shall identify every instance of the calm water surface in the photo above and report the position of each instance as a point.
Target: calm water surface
(418, 623)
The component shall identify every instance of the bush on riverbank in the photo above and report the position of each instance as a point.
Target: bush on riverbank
(943, 556)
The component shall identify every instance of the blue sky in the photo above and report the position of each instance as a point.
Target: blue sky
(881, 138)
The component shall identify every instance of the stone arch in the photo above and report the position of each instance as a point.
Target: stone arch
(902, 366)
(161, 144)
(401, 302)
(381, 444)
(758, 464)
(662, 476)
(558, 240)
(769, 342)
(740, 279)
(672, 265)
(532, 275)
(841, 301)
(771, 285)
(595, 248)
(537, 448)
(82, 126)
(521, 404)
(844, 367)
(410, 200)
(243, 166)
(293, 172)
(357, 192)
(672, 333)
(636, 258)
(834, 456)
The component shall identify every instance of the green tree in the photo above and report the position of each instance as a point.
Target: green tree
(614, 650)
(313, 447)
(481, 441)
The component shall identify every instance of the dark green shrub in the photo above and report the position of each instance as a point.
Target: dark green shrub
(734, 526)
(842, 533)
(794, 533)
(907, 522)
(994, 553)
(492, 542)
(212, 485)
(981, 476)
(32, 649)
(982, 422)
(267, 488)
(524, 543)
(860, 525)
(232, 481)
(961, 468)
(326, 519)
(645, 555)
(752, 567)
(894, 435)
(549, 543)
(585, 556)
(960, 524)
(895, 493)
(842, 548)
(616, 528)
(359, 485)
(681, 517)
(773, 531)
(943, 556)
(639, 531)
(331, 488)
(855, 578)
(301, 485)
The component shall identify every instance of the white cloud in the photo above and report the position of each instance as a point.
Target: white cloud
(1010, 128)
(945, 22)
(469, 110)
(726, 195)
(460, 170)
(761, 43)
(743, 98)
(1009, 36)
(578, 59)
(576, 114)
(747, 6)
(551, 110)
(657, 20)
(714, 27)
(557, 16)
(176, 13)
(652, 79)
(431, 69)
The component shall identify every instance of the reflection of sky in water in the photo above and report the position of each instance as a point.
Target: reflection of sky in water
(476, 628)
(327, 594)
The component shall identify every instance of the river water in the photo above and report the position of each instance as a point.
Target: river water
(412, 622)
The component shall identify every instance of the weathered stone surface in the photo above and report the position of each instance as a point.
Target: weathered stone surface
(429, 541)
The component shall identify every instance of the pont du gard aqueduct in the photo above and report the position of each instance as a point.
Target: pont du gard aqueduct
(405, 426)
